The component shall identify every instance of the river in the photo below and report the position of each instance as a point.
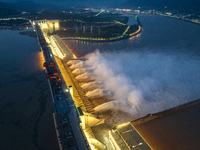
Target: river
(26, 107)
(153, 71)
(160, 35)
(156, 70)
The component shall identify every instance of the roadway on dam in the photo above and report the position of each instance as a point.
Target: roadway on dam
(81, 101)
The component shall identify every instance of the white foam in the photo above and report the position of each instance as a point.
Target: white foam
(79, 71)
(99, 93)
(74, 61)
(149, 83)
(93, 85)
(78, 65)
(87, 77)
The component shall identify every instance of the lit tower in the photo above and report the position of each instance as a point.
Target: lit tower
(136, 17)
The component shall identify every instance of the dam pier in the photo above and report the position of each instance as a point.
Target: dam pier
(76, 92)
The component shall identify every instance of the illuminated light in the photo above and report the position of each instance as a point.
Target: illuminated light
(111, 143)
(56, 25)
(121, 125)
(132, 38)
(41, 58)
(74, 56)
(56, 49)
(44, 26)
(66, 90)
(137, 145)
(114, 142)
(127, 131)
(88, 139)
(140, 136)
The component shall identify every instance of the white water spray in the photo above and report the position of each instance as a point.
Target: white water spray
(147, 83)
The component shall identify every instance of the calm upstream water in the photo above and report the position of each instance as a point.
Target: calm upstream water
(160, 35)
(153, 71)
(26, 107)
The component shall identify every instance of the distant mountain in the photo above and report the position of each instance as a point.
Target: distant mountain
(21, 6)
(7, 9)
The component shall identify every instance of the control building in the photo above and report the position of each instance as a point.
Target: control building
(48, 25)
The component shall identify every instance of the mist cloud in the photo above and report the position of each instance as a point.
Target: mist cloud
(146, 83)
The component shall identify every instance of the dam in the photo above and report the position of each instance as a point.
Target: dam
(75, 88)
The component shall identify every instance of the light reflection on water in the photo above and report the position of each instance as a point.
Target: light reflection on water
(24, 94)
(40, 61)
(164, 39)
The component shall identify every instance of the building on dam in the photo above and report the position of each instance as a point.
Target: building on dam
(88, 92)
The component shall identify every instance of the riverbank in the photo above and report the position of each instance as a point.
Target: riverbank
(181, 18)
(29, 33)
(103, 39)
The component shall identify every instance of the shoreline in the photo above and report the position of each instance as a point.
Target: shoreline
(179, 18)
(102, 40)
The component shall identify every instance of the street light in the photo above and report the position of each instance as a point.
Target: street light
(137, 145)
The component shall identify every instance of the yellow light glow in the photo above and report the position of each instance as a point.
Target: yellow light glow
(56, 25)
(121, 125)
(41, 60)
(111, 143)
(88, 139)
(56, 49)
(74, 56)
(113, 140)
(45, 26)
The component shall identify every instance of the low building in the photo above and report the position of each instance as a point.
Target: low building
(125, 137)
(48, 25)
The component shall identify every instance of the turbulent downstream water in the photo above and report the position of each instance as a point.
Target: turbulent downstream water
(156, 70)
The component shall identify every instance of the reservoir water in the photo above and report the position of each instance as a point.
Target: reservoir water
(26, 107)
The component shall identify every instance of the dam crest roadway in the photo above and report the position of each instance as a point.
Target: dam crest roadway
(76, 92)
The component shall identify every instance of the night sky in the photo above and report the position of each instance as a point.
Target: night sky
(63, 1)
(76, 2)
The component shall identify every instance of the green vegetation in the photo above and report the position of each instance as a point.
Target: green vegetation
(105, 32)
(93, 25)
(14, 22)
(88, 17)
